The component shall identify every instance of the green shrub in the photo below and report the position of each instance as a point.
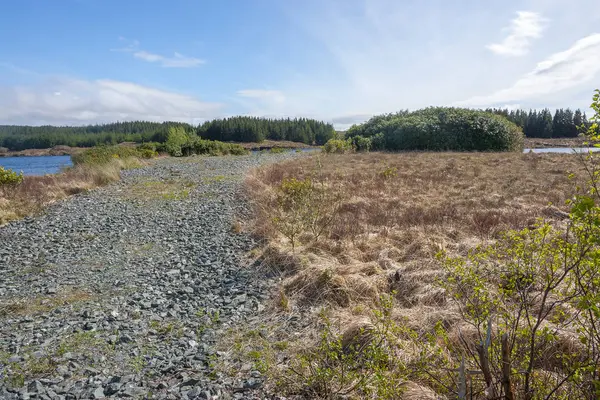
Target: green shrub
(367, 366)
(361, 143)
(338, 146)
(176, 141)
(277, 150)
(10, 177)
(378, 142)
(441, 129)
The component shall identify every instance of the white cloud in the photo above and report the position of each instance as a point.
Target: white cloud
(525, 28)
(568, 69)
(176, 61)
(82, 102)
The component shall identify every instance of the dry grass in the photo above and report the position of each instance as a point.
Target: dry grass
(398, 211)
(36, 192)
(172, 189)
(396, 223)
(41, 304)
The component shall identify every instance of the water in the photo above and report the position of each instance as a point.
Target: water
(36, 165)
(568, 150)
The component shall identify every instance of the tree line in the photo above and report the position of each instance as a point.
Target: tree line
(564, 123)
(238, 129)
(253, 129)
(16, 137)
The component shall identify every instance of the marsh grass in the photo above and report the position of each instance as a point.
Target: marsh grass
(397, 212)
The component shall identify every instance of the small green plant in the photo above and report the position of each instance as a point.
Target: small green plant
(8, 177)
(366, 364)
(305, 206)
(277, 150)
(388, 173)
(284, 301)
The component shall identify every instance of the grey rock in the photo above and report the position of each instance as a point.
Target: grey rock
(98, 393)
(148, 264)
(36, 387)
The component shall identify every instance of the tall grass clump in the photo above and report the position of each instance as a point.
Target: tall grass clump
(441, 129)
(106, 154)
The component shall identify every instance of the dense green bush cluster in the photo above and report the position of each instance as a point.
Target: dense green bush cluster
(10, 177)
(252, 129)
(440, 129)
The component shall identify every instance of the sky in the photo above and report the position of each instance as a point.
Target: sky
(74, 62)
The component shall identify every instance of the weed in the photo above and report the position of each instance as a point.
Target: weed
(388, 173)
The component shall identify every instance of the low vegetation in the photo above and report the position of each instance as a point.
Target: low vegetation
(373, 239)
(454, 275)
(106, 154)
(438, 129)
(9, 177)
(181, 143)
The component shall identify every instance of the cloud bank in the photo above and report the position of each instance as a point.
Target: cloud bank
(75, 101)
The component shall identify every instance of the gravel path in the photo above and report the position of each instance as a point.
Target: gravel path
(123, 291)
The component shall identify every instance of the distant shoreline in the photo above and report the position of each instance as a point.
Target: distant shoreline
(530, 143)
(54, 151)
(68, 151)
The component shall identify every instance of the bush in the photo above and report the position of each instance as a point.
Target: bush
(9, 177)
(441, 129)
(338, 146)
(176, 141)
(361, 143)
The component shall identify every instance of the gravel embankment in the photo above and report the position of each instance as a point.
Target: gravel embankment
(123, 291)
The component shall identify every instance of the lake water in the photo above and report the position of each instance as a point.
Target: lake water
(37, 165)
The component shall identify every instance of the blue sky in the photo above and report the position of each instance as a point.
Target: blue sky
(93, 61)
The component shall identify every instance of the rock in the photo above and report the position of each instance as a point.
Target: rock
(98, 393)
(112, 388)
(129, 263)
(125, 339)
(252, 383)
(36, 387)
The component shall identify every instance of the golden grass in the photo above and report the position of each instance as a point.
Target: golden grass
(29, 306)
(172, 189)
(397, 212)
(36, 192)
(397, 223)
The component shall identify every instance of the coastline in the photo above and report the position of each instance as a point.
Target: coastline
(54, 151)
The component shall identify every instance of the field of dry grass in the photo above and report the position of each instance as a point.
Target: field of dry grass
(395, 212)
(36, 192)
